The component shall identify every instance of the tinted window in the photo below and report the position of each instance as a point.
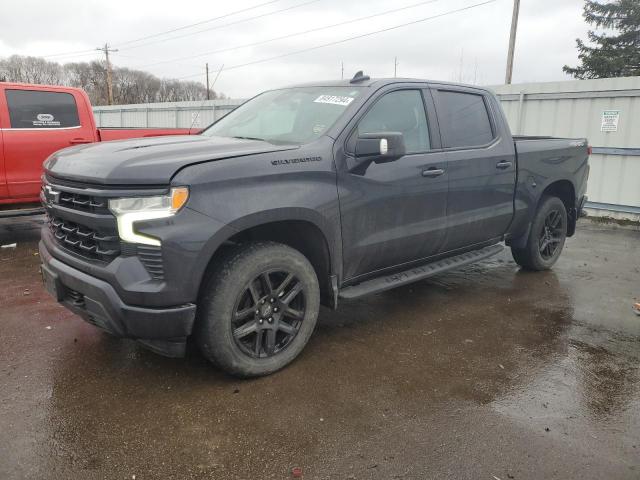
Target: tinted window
(401, 111)
(34, 109)
(463, 118)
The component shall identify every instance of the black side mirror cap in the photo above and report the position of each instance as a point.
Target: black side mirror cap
(380, 147)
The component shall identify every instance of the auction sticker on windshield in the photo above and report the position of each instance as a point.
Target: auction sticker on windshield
(334, 100)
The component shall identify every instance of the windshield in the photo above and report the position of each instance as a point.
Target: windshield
(289, 116)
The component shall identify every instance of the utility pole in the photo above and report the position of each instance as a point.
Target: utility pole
(512, 41)
(207, 67)
(395, 67)
(106, 51)
(475, 73)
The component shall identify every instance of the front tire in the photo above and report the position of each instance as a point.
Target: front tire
(546, 237)
(258, 309)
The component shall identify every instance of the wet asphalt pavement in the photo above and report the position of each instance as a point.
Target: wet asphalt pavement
(485, 373)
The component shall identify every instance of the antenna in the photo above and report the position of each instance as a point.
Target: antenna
(195, 119)
(359, 77)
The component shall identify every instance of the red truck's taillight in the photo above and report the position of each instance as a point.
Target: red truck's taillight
(589, 150)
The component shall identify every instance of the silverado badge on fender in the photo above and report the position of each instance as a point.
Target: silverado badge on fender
(289, 161)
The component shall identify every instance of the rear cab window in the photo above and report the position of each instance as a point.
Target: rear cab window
(38, 109)
(464, 119)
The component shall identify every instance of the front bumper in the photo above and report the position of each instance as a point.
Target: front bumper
(162, 329)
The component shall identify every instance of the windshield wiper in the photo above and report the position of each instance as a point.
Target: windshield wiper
(251, 138)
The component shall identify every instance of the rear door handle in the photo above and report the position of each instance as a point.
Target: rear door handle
(503, 164)
(432, 172)
(78, 141)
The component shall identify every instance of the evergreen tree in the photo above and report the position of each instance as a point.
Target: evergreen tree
(616, 55)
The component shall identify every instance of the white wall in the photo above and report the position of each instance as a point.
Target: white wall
(574, 109)
(164, 115)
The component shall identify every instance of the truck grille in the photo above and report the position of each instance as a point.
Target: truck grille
(74, 298)
(83, 225)
(83, 240)
(84, 202)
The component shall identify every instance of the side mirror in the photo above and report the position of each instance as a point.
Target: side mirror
(380, 147)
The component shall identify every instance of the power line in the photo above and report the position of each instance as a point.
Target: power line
(217, 27)
(283, 37)
(193, 65)
(184, 27)
(64, 54)
(344, 40)
(202, 22)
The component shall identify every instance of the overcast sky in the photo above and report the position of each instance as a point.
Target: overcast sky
(469, 45)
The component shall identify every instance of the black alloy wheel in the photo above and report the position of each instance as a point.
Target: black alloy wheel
(546, 236)
(551, 235)
(268, 313)
(258, 308)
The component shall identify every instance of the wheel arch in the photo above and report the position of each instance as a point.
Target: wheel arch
(303, 230)
(565, 191)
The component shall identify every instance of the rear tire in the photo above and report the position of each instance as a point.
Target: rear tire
(546, 237)
(258, 308)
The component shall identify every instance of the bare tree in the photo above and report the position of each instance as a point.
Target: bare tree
(129, 86)
(89, 77)
(37, 70)
(193, 91)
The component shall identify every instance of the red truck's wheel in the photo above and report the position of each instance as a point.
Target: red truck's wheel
(546, 237)
(259, 308)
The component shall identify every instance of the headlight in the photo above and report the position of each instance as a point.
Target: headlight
(128, 211)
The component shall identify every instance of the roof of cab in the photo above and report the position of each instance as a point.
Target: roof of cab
(362, 83)
(37, 86)
(379, 82)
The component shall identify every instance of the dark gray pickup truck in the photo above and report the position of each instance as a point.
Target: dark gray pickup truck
(299, 197)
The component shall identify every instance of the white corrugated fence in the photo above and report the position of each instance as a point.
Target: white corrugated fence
(606, 112)
(164, 115)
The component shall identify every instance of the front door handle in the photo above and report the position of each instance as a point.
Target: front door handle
(504, 164)
(432, 172)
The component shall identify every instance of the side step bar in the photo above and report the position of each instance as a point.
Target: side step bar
(420, 272)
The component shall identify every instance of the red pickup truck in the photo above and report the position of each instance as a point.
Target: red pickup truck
(37, 120)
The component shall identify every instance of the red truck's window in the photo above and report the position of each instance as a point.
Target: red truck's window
(36, 109)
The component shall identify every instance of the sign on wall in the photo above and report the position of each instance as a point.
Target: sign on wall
(610, 120)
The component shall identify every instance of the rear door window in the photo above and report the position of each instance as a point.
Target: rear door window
(36, 109)
(464, 119)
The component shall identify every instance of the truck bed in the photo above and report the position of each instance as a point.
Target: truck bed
(543, 160)
(540, 147)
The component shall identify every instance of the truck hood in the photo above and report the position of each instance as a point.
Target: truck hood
(147, 161)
